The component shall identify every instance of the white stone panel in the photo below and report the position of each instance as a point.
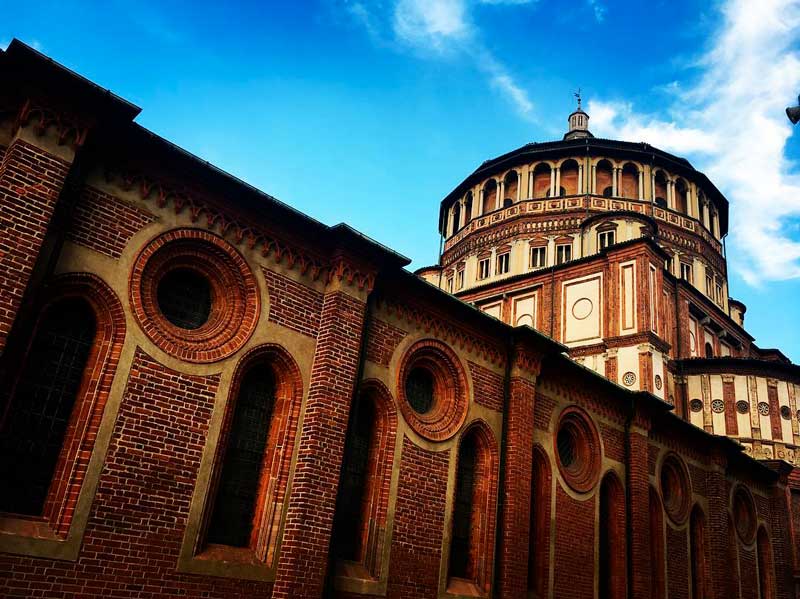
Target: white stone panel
(582, 310)
(718, 419)
(524, 310)
(627, 303)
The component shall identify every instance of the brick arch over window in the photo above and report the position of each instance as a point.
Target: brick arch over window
(473, 512)
(265, 374)
(698, 554)
(611, 537)
(361, 515)
(766, 566)
(539, 538)
(75, 396)
(657, 554)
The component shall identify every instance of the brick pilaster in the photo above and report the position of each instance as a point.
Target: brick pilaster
(31, 180)
(516, 483)
(639, 497)
(309, 520)
(718, 531)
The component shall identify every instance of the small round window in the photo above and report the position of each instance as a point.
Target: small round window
(184, 298)
(419, 389)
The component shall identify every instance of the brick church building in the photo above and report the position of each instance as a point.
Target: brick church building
(206, 393)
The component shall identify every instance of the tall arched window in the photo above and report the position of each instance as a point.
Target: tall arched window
(538, 539)
(510, 185)
(681, 196)
(657, 565)
(472, 524)
(36, 420)
(766, 567)
(541, 180)
(660, 191)
(489, 196)
(604, 174)
(468, 207)
(569, 177)
(629, 186)
(698, 556)
(362, 505)
(456, 218)
(233, 519)
(612, 539)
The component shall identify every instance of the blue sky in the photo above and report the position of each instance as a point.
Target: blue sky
(371, 112)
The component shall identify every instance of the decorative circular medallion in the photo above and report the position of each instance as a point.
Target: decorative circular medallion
(675, 488)
(786, 412)
(763, 408)
(432, 390)
(582, 308)
(629, 379)
(194, 295)
(696, 405)
(577, 448)
(659, 382)
(742, 406)
(717, 406)
(744, 514)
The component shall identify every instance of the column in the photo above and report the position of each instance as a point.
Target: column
(516, 485)
(671, 194)
(552, 182)
(580, 177)
(558, 182)
(641, 185)
(480, 201)
(303, 559)
(530, 183)
(500, 193)
(32, 175)
(615, 182)
(593, 182)
(519, 185)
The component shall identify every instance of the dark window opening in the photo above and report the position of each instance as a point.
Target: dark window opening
(562, 191)
(661, 202)
(508, 202)
(709, 350)
(184, 298)
(567, 450)
(46, 392)
(608, 192)
(419, 389)
(352, 514)
(462, 511)
(234, 508)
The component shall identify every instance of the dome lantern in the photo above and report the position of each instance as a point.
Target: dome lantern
(578, 122)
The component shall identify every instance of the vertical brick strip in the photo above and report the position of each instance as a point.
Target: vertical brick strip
(516, 485)
(717, 532)
(304, 552)
(729, 397)
(30, 183)
(774, 411)
(639, 497)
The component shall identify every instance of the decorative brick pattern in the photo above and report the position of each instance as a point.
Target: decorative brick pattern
(487, 387)
(30, 183)
(292, 304)
(104, 223)
(418, 523)
(383, 340)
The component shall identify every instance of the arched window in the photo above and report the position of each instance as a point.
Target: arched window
(657, 565)
(612, 539)
(363, 492)
(569, 177)
(766, 568)
(472, 528)
(489, 196)
(510, 185)
(538, 539)
(629, 186)
(468, 207)
(681, 196)
(541, 180)
(456, 218)
(232, 521)
(603, 174)
(698, 557)
(660, 191)
(709, 350)
(36, 421)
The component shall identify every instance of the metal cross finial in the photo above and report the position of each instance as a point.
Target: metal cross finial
(578, 96)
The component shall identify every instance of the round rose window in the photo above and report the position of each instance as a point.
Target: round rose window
(744, 514)
(675, 488)
(577, 447)
(184, 298)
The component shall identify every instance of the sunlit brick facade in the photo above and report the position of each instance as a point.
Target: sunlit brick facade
(206, 393)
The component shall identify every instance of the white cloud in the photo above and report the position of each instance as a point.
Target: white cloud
(731, 122)
(599, 9)
(437, 28)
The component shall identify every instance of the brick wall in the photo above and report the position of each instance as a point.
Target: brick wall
(576, 520)
(104, 223)
(292, 304)
(487, 387)
(383, 340)
(418, 523)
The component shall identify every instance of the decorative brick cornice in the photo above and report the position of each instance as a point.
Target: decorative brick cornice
(70, 128)
(204, 213)
(431, 323)
(526, 361)
(343, 270)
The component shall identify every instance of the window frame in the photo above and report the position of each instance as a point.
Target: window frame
(563, 253)
(484, 268)
(503, 263)
(536, 250)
